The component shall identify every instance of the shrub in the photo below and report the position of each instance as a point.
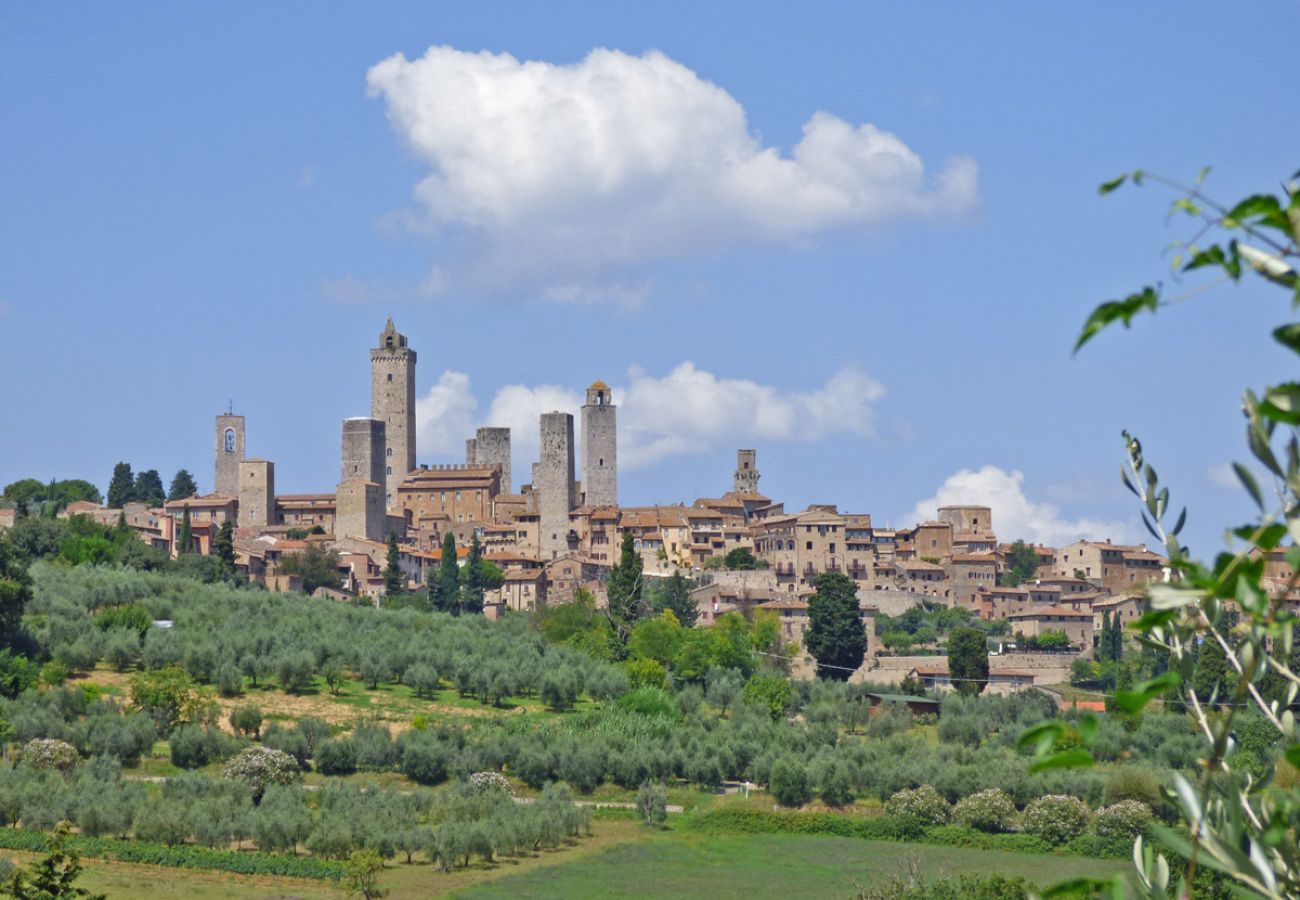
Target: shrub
(652, 802)
(424, 758)
(770, 692)
(1134, 783)
(490, 782)
(990, 810)
(258, 767)
(1125, 819)
(1057, 818)
(835, 786)
(788, 782)
(923, 803)
(336, 756)
(230, 682)
(193, 747)
(247, 720)
(47, 753)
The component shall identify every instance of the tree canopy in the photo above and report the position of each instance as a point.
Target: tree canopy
(836, 637)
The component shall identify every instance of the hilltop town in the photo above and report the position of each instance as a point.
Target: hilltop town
(561, 531)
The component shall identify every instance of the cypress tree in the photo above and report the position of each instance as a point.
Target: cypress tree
(1116, 637)
(394, 578)
(149, 488)
(968, 660)
(1103, 640)
(224, 546)
(448, 598)
(624, 586)
(185, 535)
(121, 490)
(471, 594)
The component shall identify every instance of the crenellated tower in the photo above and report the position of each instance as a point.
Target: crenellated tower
(392, 400)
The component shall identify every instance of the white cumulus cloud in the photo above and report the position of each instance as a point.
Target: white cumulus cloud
(686, 411)
(1015, 516)
(563, 176)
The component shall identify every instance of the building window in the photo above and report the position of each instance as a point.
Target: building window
(230, 440)
(389, 470)
(390, 374)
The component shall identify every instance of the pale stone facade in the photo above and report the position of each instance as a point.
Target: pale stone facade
(491, 447)
(360, 514)
(746, 478)
(364, 443)
(256, 493)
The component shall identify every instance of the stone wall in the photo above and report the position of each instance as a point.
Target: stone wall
(599, 450)
(256, 493)
(392, 399)
(226, 477)
(553, 483)
(491, 447)
(364, 442)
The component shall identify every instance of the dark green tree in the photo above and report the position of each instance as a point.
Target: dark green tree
(471, 592)
(182, 486)
(1274, 685)
(121, 490)
(968, 660)
(1103, 639)
(223, 547)
(394, 577)
(625, 587)
(740, 558)
(15, 589)
(149, 488)
(674, 593)
(317, 566)
(1022, 565)
(1211, 672)
(185, 534)
(836, 637)
(447, 596)
(1116, 642)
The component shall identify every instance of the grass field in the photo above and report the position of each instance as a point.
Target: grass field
(746, 866)
(623, 859)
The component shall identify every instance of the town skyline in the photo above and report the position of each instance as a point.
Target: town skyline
(252, 237)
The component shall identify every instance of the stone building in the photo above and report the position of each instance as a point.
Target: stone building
(256, 493)
(746, 477)
(1115, 567)
(491, 447)
(449, 493)
(968, 519)
(553, 483)
(364, 446)
(392, 399)
(599, 447)
(819, 539)
(229, 453)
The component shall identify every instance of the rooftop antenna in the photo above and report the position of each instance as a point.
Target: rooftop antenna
(230, 407)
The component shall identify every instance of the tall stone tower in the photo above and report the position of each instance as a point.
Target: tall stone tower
(363, 450)
(553, 484)
(746, 472)
(359, 510)
(256, 493)
(229, 453)
(599, 447)
(392, 399)
(491, 447)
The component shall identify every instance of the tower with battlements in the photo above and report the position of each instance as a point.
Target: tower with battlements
(491, 447)
(599, 447)
(392, 400)
(746, 478)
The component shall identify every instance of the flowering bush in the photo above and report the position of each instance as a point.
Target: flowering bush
(1057, 818)
(48, 753)
(259, 766)
(1124, 819)
(485, 782)
(923, 803)
(990, 810)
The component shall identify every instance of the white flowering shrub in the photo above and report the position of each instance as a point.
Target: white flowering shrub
(1057, 818)
(259, 767)
(923, 803)
(990, 810)
(48, 753)
(1125, 819)
(485, 782)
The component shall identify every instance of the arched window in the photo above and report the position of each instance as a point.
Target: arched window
(230, 440)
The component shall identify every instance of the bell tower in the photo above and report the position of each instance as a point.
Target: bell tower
(229, 452)
(392, 400)
(599, 447)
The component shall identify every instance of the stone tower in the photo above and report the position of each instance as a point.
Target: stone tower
(491, 447)
(392, 399)
(746, 472)
(599, 447)
(229, 453)
(256, 493)
(363, 450)
(553, 484)
(359, 510)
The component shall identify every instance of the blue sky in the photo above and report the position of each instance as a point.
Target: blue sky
(209, 203)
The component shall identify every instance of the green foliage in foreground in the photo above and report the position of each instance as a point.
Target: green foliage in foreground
(180, 856)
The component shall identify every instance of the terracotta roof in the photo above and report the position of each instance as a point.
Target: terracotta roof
(598, 385)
